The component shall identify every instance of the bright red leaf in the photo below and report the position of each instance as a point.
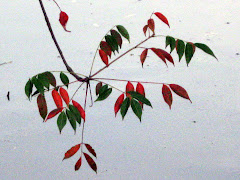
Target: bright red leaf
(57, 99)
(42, 106)
(91, 150)
(64, 95)
(166, 55)
(91, 162)
(162, 18)
(129, 87)
(151, 25)
(78, 164)
(103, 56)
(167, 95)
(80, 109)
(53, 113)
(63, 19)
(140, 90)
(72, 151)
(180, 91)
(143, 56)
(145, 29)
(118, 104)
(158, 52)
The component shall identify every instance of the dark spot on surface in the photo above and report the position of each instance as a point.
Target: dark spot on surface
(8, 96)
(237, 54)
(227, 22)
(194, 121)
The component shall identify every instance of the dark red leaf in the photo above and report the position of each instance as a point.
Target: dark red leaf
(158, 52)
(129, 87)
(180, 91)
(64, 95)
(117, 36)
(53, 113)
(91, 162)
(42, 106)
(103, 56)
(78, 164)
(80, 109)
(63, 19)
(140, 90)
(143, 56)
(151, 25)
(118, 104)
(91, 150)
(98, 87)
(106, 48)
(167, 95)
(57, 99)
(145, 29)
(162, 18)
(72, 151)
(167, 56)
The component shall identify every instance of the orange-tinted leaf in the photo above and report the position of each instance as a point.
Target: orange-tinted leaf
(145, 29)
(179, 91)
(72, 151)
(91, 162)
(167, 95)
(167, 56)
(140, 90)
(63, 19)
(143, 56)
(158, 52)
(118, 104)
(64, 95)
(80, 109)
(91, 150)
(78, 164)
(106, 48)
(57, 99)
(162, 18)
(151, 24)
(42, 106)
(53, 113)
(129, 87)
(103, 56)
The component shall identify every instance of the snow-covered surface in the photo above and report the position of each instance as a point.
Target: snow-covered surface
(191, 141)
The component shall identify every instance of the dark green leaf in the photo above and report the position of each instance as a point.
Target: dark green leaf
(189, 51)
(51, 78)
(104, 95)
(137, 108)
(61, 121)
(103, 88)
(35, 93)
(124, 107)
(64, 79)
(112, 42)
(123, 32)
(72, 119)
(44, 80)
(117, 36)
(180, 46)
(76, 113)
(170, 41)
(205, 48)
(38, 85)
(28, 88)
(140, 97)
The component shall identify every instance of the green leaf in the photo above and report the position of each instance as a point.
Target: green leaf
(61, 121)
(64, 79)
(103, 88)
(123, 32)
(112, 42)
(139, 97)
(117, 36)
(170, 41)
(205, 48)
(189, 51)
(180, 49)
(44, 80)
(38, 85)
(28, 88)
(124, 107)
(72, 119)
(137, 108)
(51, 78)
(76, 113)
(104, 95)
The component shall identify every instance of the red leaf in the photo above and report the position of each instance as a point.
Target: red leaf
(91, 162)
(64, 95)
(167, 95)
(180, 91)
(91, 150)
(98, 87)
(80, 109)
(151, 24)
(78, 164)
(103, 56)
(162, 18)
(63, 19)
(117, 36)
(72, 151)
(140, 90)
(145, 29)
(129, 87)
(57, 99)
(167, 56)
(143, 56)
(106, 48)
(158, 52)
(53, 113)
(118, 104)
(42, 106)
